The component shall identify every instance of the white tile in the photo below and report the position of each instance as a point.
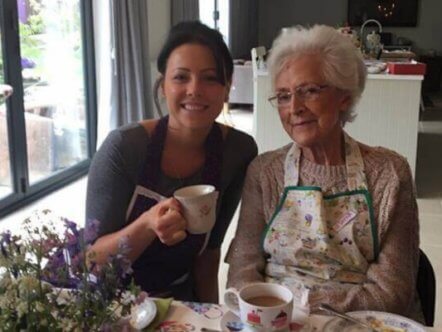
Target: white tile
(430, 127)
(430, 206)
(431, 229)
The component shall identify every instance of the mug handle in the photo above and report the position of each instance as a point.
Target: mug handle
(231, 299)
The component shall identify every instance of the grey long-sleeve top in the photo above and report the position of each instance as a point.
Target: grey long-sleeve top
(116, 165)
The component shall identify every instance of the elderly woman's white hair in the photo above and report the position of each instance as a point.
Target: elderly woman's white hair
(342, 64)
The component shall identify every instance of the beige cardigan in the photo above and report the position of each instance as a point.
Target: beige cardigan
(392, 278)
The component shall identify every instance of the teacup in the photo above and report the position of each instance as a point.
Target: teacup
(262, 306)
(199, 207)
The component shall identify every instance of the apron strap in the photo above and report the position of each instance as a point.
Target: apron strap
(291, 166)
(354, 164)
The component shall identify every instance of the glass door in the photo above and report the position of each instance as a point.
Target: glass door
(215, 14)
(5, 160)
(49, 120)
(53, 77)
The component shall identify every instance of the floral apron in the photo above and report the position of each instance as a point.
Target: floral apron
(163, 270)
(313, 239)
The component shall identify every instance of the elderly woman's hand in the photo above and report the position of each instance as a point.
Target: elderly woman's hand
(166, 221)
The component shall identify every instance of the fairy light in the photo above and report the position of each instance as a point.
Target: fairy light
(387, 9)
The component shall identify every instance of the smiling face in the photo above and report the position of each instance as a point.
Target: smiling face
(194, 95)
(310, 121)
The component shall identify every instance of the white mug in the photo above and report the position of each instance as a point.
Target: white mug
(199, 207)
(262, 306)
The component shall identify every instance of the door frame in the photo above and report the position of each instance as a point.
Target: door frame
(23, 192)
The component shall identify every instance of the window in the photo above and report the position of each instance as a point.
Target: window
(47, 125)
(215, 14)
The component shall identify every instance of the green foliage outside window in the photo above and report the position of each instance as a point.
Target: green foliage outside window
(32, 39)
(2, 79)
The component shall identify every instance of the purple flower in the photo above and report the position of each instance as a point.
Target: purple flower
(308, 217)
(5, 241)
(77, 261)
(71, 226)
(27, 63)
(91, 231)
(6, 237)
(60, 260)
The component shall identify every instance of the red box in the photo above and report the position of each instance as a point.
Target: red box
(406, 68)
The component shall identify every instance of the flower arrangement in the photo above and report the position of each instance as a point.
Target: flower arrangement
(49, 282)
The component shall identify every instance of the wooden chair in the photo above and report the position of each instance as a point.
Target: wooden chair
(258, 54)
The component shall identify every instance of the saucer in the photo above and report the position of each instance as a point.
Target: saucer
(143, 314)
(378, 319)
(232, 323)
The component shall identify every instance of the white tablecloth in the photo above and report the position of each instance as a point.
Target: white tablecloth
(192, 317)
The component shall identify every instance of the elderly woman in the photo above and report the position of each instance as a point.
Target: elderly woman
(331, 218)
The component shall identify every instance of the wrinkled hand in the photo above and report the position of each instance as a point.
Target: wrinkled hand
(166, 221)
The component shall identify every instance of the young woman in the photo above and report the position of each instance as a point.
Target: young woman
(139, 161)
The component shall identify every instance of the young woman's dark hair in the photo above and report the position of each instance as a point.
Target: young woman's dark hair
(194, 32)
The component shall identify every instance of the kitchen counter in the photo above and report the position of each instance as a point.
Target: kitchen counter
(387, 114)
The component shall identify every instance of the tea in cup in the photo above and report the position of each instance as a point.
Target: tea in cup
(262, 306)
(199, 207)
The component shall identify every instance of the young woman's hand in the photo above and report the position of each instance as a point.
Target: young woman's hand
(166, 221)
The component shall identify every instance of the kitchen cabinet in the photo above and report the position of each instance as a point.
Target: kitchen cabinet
(241, 91)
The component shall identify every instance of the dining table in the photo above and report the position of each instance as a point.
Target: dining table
(205, 317)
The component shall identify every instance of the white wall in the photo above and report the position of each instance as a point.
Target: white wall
(159, 25)
(276, 14)
(428, 33)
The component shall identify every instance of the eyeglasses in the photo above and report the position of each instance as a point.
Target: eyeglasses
(307, 92)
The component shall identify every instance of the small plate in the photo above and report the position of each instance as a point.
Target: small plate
(143, 314)
(231, 323)
(380, 319)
